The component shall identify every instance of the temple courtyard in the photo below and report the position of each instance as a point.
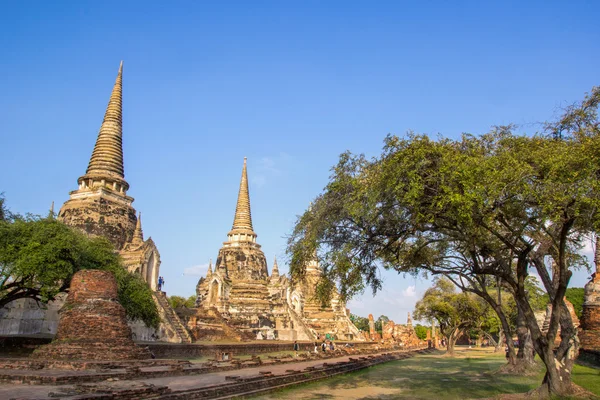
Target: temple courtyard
(471, 374)
(365, 374)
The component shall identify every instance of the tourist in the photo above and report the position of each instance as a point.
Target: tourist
(324, 346)
(331, 346)
(316, 347)
(161, 282)
(296, 348)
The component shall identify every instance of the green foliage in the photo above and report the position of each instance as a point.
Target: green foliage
(38, 257)
(179, 301)
(576, 297)
(361, 323)
(4, 213)
(421, 331)
(380, 323)
(450, 309)
(135, 296)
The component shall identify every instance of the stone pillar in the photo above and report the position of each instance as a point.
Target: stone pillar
(371, 327)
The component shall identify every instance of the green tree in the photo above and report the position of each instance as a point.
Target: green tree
(4, 213)
(179, 301)
(476, 209)
(421, 331)
(361, 323)
(576, 296)
(380, 323)
(455, 313)
(38, 257)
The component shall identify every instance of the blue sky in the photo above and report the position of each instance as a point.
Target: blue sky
(290, 85)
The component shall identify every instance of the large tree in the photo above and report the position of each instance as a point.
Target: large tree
(477, 209)
(38, 257)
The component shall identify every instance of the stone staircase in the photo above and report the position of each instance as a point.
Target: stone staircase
(170, 318)
(304, 332)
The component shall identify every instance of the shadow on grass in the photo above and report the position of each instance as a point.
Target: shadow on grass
(421, 377)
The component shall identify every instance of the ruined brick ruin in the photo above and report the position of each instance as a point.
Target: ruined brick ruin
(92, 323)
(401, 334)
(589, 333)
(239, 299)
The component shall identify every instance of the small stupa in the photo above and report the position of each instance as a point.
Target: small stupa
(92, 324)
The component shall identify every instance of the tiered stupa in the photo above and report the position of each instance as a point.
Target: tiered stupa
(239, 295)
(101, 206)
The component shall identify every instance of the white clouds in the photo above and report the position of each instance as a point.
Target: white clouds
(258, 180)
(588, 248)
(196, 270)
(267, 168)
(409, 291)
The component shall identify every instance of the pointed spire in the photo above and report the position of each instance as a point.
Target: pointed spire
(138, 234)
(275, 271)
(107, 157)
(209, 272)
(242, 222)
(243, 217)
(51, 211)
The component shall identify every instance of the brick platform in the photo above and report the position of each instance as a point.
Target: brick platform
(92, 323)
(589, 333)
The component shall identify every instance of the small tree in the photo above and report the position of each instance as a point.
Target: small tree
(454, 312)
(421, 331)
(361, 323)
(178, 301)
(380, 323)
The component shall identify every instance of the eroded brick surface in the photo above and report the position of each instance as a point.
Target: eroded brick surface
(92, 323)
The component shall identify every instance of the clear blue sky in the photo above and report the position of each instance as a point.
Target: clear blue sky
(289, 85)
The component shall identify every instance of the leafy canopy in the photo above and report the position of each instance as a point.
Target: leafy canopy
(38, 257)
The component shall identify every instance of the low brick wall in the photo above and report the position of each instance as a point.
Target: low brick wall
(23, 346)
(170, 350)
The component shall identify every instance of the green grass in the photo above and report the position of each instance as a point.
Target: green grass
(587, 377)
(472, 374)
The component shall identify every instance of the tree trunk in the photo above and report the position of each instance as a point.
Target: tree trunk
(452, 341)
(500, 344)
(557, 380)
(526, 354)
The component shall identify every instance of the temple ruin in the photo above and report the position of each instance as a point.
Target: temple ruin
(239, 298)
(101, 207)
(589, 333)
(93, 324)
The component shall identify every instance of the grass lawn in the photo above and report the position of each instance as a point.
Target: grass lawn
(469, 375)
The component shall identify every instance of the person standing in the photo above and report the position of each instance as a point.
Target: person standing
(324, 346)
(316, 347)
(296, 348)
(161, 282)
